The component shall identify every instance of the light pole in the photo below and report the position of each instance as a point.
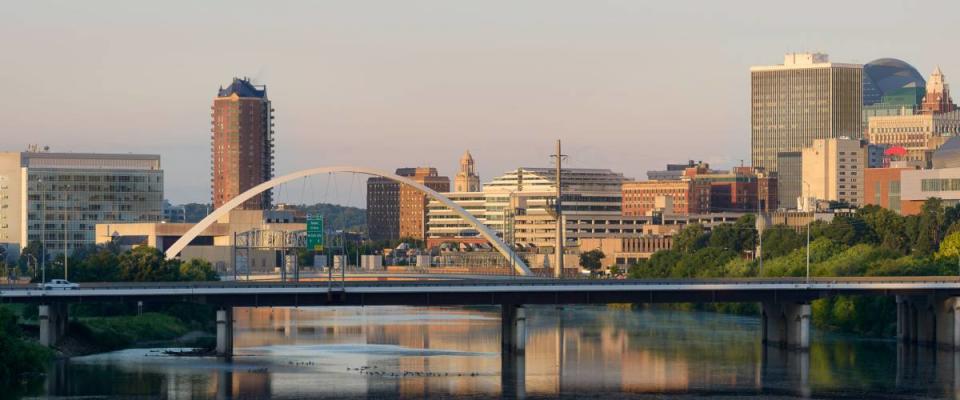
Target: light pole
(806, 201)
(43, 225)
(66, 219)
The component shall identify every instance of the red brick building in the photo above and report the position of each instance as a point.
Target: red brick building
(242, 143)
(689, 196)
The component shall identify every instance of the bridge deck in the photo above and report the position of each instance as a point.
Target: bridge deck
(486, 291)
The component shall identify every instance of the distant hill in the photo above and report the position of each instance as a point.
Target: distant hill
(339, 217)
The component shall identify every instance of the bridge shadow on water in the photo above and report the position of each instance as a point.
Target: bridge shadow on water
(573, 352)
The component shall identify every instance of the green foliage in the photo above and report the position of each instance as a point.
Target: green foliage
(929, 227)
(18, 355)
(949, 247)
(591, 259)
(780, 240)
(691, 238)
(147, 264)
(197, 270)
(336, 218)
(889, 228)
(119, 332)
(102, 266)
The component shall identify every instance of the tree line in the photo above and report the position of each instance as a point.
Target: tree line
(110, 264)
(872, 241)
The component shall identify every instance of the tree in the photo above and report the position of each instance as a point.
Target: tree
(929, 229)
(780, 240)
(725, 236)
(147, 264)
(197, 270)
(888, 228)
(102, 266)
(704, 263)
(592, 259)
(691, 238)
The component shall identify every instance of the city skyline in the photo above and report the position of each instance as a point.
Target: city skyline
(343, 77)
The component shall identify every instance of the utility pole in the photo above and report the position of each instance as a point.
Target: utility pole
(66, 253)
(558, 211)
(760, 227)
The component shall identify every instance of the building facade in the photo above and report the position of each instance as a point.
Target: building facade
(413, 203)
(920, 135)
(467, 179)
(242, 143)
(937, 98)
(919, 185)
(444, 225)
(532, 191)
(882, 187)
(806, 98)
(686, 196)
(57, 199)
(833, 171)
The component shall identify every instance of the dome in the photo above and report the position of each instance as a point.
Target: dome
(887, 75)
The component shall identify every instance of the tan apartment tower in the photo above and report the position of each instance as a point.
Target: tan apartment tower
(242, 143)
(413, 203)
(833, 170)
(805, 98)
(467, 179)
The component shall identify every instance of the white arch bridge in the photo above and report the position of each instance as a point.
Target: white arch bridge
(485, 231)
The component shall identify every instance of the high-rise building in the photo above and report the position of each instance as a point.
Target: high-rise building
(937, 98)
(413, 203)
(833, 170)
(806, 98)
(789, 179)
(467, 179)
(383, 206)
(891, 87)
(59, 198)
(242, 143)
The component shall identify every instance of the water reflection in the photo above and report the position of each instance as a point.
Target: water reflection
(455, 352)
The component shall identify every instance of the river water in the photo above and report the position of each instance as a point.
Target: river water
(574, 352)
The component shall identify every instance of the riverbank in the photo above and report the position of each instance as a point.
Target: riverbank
(92, 335)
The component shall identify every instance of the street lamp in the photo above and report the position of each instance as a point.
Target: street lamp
(806, 203)
(66, 219)
(43, 225)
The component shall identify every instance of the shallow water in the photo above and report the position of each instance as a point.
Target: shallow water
(574, 352)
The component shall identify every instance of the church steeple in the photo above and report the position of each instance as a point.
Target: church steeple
(467, 179)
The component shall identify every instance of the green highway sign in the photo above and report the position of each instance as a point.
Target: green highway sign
(315, 232)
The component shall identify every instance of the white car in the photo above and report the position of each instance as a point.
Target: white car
(61, 284)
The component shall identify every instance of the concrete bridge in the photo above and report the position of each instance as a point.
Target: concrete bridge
(928, 310)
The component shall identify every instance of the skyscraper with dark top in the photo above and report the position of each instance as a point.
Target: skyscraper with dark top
(242, 143)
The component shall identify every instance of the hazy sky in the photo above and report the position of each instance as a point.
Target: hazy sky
(628, 85)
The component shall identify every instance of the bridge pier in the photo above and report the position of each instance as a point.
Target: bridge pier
(225, 332)
(929, 320)
(786, 325)
(513, 329)
(53, 323)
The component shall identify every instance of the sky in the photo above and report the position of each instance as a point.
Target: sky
(626, 85)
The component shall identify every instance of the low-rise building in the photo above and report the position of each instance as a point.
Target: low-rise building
(687, 196)
(214, 244)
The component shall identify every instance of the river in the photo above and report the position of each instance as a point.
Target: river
(574, 352)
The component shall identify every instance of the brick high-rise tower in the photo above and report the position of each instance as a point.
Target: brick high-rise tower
(242, 143)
